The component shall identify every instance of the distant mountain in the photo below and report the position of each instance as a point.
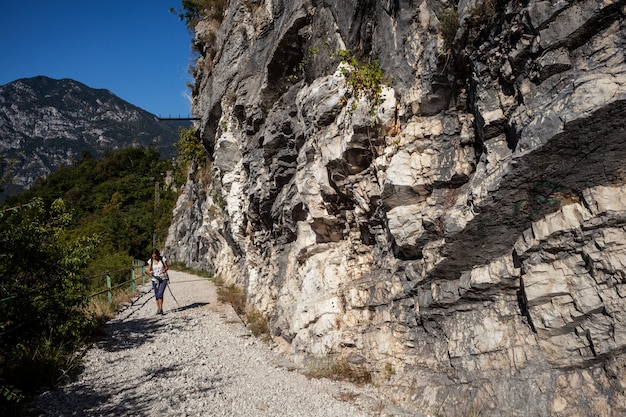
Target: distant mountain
(46, 123)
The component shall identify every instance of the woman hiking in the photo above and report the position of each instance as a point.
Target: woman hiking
(157, 268)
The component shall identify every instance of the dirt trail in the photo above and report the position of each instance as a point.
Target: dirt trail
(196, 360)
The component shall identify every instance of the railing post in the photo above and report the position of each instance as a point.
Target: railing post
(109, 295)
(132, 282)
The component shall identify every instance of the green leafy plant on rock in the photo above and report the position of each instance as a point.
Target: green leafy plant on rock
(190, 150)
(364, 80)
(297, 72)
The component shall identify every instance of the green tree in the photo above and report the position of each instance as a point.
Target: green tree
(42, 291)
(189, 148)
(113, 198)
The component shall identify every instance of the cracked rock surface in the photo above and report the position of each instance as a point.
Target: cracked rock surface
(462, 234)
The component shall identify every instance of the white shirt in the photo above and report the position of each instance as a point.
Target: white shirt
(157, 267)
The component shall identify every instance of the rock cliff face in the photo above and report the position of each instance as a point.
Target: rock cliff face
(462, 232)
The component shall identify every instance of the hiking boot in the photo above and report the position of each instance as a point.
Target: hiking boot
(159, 311)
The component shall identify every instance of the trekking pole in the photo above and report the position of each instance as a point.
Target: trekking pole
(168, 287)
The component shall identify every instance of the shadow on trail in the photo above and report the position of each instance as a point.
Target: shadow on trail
(129, 334)
(189, 307)
(123, 397)
(148, 393)
(136, 305)
(133, 332)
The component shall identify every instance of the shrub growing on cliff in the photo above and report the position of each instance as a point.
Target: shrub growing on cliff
(190, 150)
(449, 24)
(194, 10)
(363, 79)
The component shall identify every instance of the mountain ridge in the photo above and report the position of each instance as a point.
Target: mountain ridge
(46, 123)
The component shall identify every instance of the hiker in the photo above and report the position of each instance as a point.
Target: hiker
(157, 268)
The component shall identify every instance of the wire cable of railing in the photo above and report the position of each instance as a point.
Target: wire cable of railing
(138, 264)
(48, 287)
(26, 294)
(128, 268)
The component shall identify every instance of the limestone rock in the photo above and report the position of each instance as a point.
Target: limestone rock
(466, 229)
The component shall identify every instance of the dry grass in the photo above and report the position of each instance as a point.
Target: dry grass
(100, 308)
(231, 294)
(254, 319)
(565, 198)
(338, 370)
(347, 396)
(258, 324)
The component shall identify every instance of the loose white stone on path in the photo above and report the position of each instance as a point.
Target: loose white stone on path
(196, 360)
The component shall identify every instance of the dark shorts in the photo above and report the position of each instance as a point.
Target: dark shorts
(159, 289)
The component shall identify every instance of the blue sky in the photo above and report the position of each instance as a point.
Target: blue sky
(137, 49)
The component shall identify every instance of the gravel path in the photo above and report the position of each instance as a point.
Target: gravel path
(196, 360)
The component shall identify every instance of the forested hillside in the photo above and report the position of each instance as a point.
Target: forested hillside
(113, 199)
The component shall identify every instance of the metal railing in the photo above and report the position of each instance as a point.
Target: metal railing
(137, 265)
(138, 268)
